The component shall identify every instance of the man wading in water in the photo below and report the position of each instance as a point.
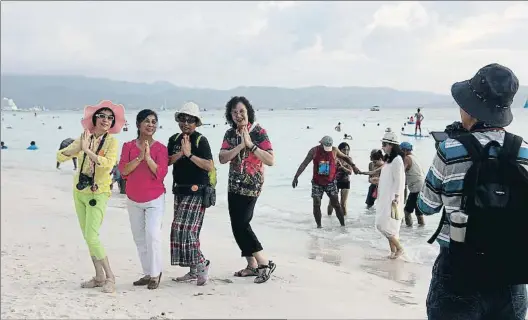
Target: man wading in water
(324, 161)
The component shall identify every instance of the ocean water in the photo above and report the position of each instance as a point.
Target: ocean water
(281, 210)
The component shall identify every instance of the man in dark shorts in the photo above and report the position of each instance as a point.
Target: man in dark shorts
(324, 158)
(414, 179)
(64, 144)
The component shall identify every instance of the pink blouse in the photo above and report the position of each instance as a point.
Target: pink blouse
(141, 184)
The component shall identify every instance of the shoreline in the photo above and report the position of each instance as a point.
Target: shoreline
(44, 259)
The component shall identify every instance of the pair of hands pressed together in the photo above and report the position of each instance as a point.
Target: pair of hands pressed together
(246, 139)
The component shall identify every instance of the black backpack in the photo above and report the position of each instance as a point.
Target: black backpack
(495, 200)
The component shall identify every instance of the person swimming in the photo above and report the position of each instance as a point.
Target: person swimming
(347, 137)
(3, 145)
(338, 127)
(32, 146)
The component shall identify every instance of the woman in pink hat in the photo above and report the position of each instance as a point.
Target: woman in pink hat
(97, 151)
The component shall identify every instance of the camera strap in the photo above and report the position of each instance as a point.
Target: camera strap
(96, 152)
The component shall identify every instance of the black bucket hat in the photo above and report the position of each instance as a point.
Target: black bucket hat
(488, 95)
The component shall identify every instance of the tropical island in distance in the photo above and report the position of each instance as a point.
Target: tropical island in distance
(51, 92)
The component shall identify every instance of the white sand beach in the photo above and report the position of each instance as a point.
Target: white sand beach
(44, 260)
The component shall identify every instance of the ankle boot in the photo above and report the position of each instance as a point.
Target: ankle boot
(203, 273)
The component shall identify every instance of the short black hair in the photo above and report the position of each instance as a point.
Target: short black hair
(32, 143)
(342, 145)
(94, 119)
(232, 104)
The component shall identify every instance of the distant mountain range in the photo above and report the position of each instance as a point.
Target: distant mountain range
(74, 92)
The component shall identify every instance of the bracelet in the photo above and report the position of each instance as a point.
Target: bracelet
(254, 148)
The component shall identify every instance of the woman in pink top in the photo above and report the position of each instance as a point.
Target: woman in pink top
(144, 164)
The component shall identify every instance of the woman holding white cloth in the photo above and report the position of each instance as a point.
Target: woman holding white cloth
(144, 164)
(389, 204)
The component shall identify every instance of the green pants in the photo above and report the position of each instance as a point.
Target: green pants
(90, 220)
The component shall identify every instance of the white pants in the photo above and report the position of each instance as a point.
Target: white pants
(145, 221)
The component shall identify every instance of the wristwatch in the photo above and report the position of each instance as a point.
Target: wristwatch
(190, 156)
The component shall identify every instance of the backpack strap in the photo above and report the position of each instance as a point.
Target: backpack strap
(439, 229)
(472, 145)
(510, 147)
(198, 141)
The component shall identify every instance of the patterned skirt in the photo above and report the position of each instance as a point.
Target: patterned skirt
(185, 231)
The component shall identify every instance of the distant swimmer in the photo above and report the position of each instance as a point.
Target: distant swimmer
(378, 124)
(66, 142)
(308, 127)
(60, 127)
(161, 127)
(32, 146)
(419, 118)
(338, 127)
(347, 137)
(3, 145)
(363, 124)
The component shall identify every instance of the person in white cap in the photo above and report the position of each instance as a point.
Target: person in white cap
(192, 160)
(324, 158)
(389, 204)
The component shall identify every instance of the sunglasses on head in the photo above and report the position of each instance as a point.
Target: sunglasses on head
(105, 116)
(189, 120)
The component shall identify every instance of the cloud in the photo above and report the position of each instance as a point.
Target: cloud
(405, 45)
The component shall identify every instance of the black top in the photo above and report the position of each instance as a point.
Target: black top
(184, 171)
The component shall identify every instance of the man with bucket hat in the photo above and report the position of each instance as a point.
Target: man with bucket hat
(481, 180)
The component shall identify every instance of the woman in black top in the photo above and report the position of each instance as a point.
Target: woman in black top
(342, 179)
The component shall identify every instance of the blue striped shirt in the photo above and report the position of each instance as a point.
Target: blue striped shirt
(444, 182)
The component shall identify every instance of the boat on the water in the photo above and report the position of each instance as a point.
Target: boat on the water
(375, 108)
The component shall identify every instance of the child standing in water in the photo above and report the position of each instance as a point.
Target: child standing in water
(375, 165)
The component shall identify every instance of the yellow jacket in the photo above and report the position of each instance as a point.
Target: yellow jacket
(107, 158)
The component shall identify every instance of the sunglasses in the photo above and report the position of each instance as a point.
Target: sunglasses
(384, 144)
(189, 120)
(104, 116)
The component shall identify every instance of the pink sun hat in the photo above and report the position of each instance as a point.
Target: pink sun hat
(117, 109)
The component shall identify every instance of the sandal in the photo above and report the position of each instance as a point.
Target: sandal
(92, 283)
(247, 272)
(264, 272)
(143, 281)
(154, 282)
(109, 286)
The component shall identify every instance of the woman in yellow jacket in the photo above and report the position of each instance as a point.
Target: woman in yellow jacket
(97, 151)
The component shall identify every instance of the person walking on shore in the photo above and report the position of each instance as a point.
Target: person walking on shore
(97, 147)
(247, 148)
(389, 205)
(144, 163)
(324, 158)
(191, 159)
